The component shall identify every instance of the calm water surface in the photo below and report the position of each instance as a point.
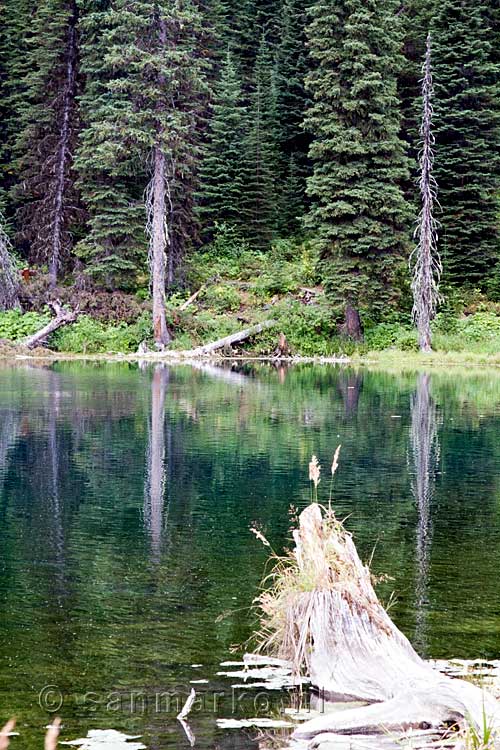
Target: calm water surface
(126, 497)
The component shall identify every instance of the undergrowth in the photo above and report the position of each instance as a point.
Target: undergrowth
(239, 287)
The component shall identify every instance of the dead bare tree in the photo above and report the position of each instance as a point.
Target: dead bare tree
(158, 233)
(63, 156)
(425, 262)
(9, 279)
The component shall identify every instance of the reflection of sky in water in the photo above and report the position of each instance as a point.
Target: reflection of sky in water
(126, 497)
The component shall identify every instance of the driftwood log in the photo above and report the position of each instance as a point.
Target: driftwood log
(62, 318)
(352, 651)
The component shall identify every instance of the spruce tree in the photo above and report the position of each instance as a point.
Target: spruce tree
(358, 212)
(111, 177)
(292, 199)
(221, 179)
(467, 130)
(293, 100)
(261, 153)
(15, 24)
(149, 116)
(49, 123)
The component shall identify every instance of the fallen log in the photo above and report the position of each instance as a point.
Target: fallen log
(62, 318)
(233, 338)
(321, 612)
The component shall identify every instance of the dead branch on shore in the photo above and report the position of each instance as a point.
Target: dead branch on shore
(233, 338)
(62, 317)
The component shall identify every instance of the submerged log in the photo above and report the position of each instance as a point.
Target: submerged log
(323, 613)
(62, 318)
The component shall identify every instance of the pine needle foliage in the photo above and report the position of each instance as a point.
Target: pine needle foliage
(358, 211)
(467, 130)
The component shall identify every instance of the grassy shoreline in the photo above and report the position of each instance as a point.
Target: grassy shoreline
(385, 359)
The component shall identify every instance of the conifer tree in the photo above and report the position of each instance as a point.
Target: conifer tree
(292, 67)
(153, 77)
(15, 22)
(221, 179)
(292, 197)
(111, 178)
(261, 153)
(358, 211)
(467, 130)
(45, 146)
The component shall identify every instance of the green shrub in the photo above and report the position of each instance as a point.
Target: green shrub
(310, 330)
(222, 298)
(15, 325)
(183, 340)
(482, 326)
(88, 336)
(391, 335)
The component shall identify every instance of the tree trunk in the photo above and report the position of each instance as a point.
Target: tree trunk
(357, 653)
(63, 154)
(158, 248)
(159, 227)
(9, 277)
(351, 327)
(425, 258)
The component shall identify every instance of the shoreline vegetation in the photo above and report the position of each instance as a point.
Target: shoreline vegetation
(384, 359)
(278, 301)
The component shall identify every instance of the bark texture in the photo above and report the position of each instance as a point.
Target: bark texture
(9, 277)
(351, 327)
(158, 247)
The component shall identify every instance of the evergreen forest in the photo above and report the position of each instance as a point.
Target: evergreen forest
(260, 155)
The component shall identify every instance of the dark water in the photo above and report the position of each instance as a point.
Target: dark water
(126, 497)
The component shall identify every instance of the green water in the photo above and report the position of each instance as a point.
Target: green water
(126, 497)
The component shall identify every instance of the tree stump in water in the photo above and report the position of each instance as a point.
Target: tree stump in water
(323, 613)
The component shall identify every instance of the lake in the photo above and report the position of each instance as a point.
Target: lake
(127, 493)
